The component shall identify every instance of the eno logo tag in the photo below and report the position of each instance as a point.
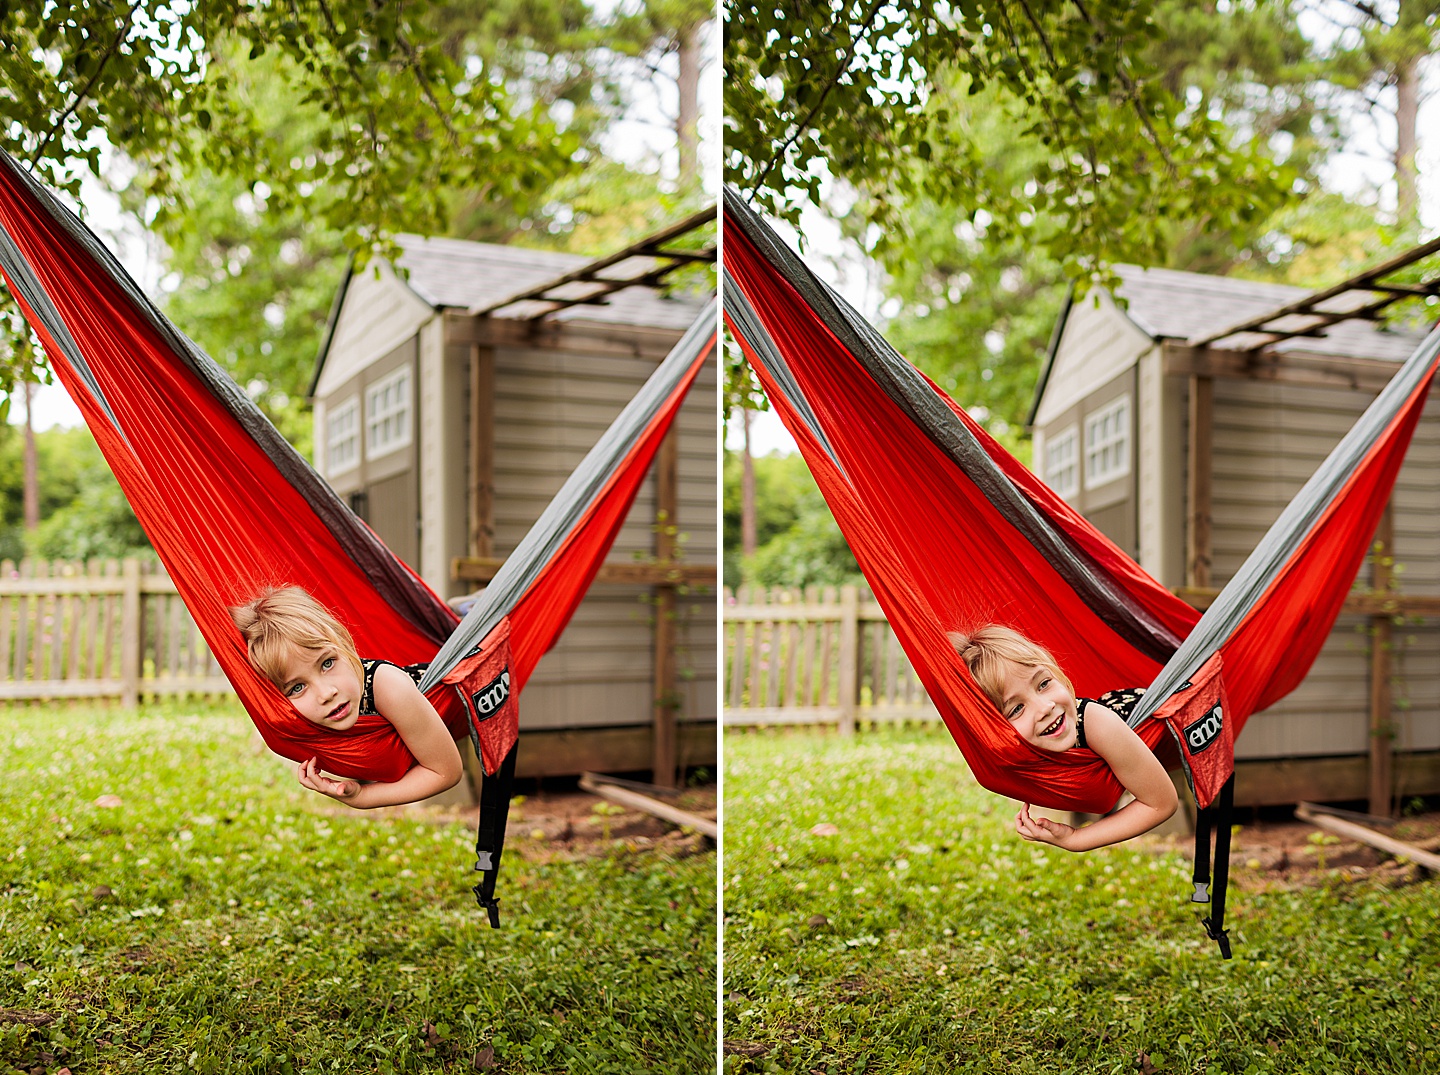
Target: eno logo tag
(489, 698)
(1204, 731)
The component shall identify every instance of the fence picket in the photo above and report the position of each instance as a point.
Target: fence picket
(76, 616)
(35, 658)
(112, 570)
(816, 655)
(7, 614)
(98, 629)
(87, 643)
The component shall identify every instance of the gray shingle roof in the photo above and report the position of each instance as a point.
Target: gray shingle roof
(1166, 303)
(461, 274)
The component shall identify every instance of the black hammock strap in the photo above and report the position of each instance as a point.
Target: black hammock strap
(495, 792)
(1216, 817)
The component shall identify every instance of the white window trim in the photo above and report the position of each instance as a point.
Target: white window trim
(349, 407)
(373, 419)
(1092, 448)
(1070, 433)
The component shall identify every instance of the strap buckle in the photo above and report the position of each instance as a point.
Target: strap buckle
(1201, 893)
(1219, 936)
(490, 903)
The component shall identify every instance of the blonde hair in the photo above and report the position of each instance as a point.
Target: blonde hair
(986, 650)
(283, 618)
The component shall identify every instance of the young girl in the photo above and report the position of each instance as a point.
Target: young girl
(1028, 688)
(309, 656)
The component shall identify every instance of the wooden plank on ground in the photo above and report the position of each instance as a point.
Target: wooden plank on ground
(1352, 831)
(654, 807)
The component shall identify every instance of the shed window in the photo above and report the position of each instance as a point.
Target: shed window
(387, 413)
(342, 436)
(1107, 443)
(1062, 462)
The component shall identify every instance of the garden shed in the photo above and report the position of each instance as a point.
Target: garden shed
(455, 392)
(1180, 414)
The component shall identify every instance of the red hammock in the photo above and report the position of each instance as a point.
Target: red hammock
(952, 532)
(230, 507)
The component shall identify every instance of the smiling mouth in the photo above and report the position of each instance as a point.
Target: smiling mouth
(1052, 729)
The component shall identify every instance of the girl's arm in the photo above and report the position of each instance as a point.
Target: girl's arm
(1135, 767)
(437, 760)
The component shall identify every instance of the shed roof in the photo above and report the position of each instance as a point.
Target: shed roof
(1170, 304)
(463, 274)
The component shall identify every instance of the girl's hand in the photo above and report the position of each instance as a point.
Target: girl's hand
(311, 777)
(1041, 829)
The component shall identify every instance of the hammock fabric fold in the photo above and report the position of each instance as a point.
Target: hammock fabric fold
(952, 533)
(231, 508)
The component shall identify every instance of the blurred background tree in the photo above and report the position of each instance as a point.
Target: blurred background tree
(798, 542)
(261, 146)
(978, 231)
(82, 512)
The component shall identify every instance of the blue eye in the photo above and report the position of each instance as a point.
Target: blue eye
(327, 664)
(295, 688)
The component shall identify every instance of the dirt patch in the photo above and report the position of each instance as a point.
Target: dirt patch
(551, 820)
(580, 823)
(1271, 852)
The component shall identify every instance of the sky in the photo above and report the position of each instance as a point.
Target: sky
(642, 136)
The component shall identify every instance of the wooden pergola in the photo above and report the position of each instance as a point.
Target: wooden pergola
(1248, 349)
(526, 318)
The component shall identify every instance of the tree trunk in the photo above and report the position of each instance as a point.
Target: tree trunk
(686, 134)
(747, 493)
(1412, 37)
(1407, 118)
(32, 471)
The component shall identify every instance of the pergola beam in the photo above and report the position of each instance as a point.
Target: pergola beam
(1369, 280)
(652, 246)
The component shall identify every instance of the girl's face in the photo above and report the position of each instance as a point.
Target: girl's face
(322, 687)
(1039, 706)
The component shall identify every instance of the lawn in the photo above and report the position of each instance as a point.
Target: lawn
(881, 915)
(172, 900)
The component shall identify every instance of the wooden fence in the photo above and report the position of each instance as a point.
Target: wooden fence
(818, 656)
(99, 629)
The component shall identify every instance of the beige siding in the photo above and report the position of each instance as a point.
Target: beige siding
(1110, 506)
(377, 315)
(1268, 440)
(443, 455)
(698, 614)
(1098, 343)
(391, 507)
(1160, 470)
(383, 489)
(550, 409)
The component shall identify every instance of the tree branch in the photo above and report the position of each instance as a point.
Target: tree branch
(1370, 11)
(59, 124)
(1040, 33)
(1134, 91)
(840, 73)
(372, 120)
(1030, 74)
(427, 89)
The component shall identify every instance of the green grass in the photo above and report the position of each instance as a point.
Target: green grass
(223, 919)
(925, 936)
